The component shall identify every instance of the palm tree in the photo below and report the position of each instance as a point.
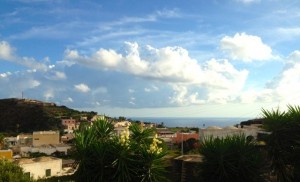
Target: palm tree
(284, 142)
(104, 156)
(230, 159)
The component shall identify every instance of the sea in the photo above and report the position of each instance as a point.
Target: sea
(199, 122)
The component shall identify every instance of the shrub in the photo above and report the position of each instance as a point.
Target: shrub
(232, 159)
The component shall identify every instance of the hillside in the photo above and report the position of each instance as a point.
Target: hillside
(26, 115)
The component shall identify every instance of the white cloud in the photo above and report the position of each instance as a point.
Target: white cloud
(288, 82)
(49, 94)
(183, 97)
(171, 64)
(248, 1)
(283, 88)
(3, 75)
(6, 51)
(82, 87)
(153, 88)
(218, 78)
(246, 48)
(223, 75)
(56, 75)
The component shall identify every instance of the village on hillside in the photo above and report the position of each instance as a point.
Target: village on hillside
(45, 154)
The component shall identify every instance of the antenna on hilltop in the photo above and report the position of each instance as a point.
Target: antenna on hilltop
(22, 94)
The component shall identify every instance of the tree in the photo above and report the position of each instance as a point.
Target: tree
(284, 142)
(104, 156)
(12, 172)
(230, 159)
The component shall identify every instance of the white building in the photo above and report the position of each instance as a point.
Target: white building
(41, 167)
(217, 132)
(46, 149)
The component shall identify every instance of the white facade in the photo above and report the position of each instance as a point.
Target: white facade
(42, 167)
(217, 132)
(46, 149)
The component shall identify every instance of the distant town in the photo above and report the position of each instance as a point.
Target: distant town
(46, 154)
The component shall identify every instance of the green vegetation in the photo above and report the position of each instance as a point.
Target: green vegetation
(10, 172)
(230, 159)
(284, 142)
(20, 115)
(104, 156)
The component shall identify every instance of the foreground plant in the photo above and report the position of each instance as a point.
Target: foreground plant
(12, 172)
(284, 142)
(102, 155)
(230, 159)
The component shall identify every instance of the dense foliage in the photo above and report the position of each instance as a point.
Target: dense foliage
(10, 172)
(133, 155)
(284, 142)
(230, 159)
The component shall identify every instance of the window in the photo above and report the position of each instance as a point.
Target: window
(48, 172)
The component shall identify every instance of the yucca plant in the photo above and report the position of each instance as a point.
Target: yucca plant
(230, 159)
(284, 142)
(104, 156)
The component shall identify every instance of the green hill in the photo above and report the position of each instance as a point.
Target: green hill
(26, 115)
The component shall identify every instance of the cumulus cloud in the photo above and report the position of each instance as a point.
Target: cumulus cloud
(284, 88)
(219, 79)
(287, 85)
(82, 87)
(222, 84)
(6, 51)
(246, 48)
(171, 64)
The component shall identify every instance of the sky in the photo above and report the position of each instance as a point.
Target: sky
(170, 58)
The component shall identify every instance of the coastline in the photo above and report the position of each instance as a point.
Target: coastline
(192, 121)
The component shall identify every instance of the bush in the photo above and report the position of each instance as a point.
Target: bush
(230, 159)
(10, 172)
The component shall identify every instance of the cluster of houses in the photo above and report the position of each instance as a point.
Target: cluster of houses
(20, 148)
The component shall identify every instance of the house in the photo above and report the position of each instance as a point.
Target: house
(10, 141)
(70, 125)
(67, 137)
(217, 132)
(166, 135)
(41, 167)
(45, 138)
(179, 136)
(24, 139)
(46, 149)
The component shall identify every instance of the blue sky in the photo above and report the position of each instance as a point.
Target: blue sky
(173, 58)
